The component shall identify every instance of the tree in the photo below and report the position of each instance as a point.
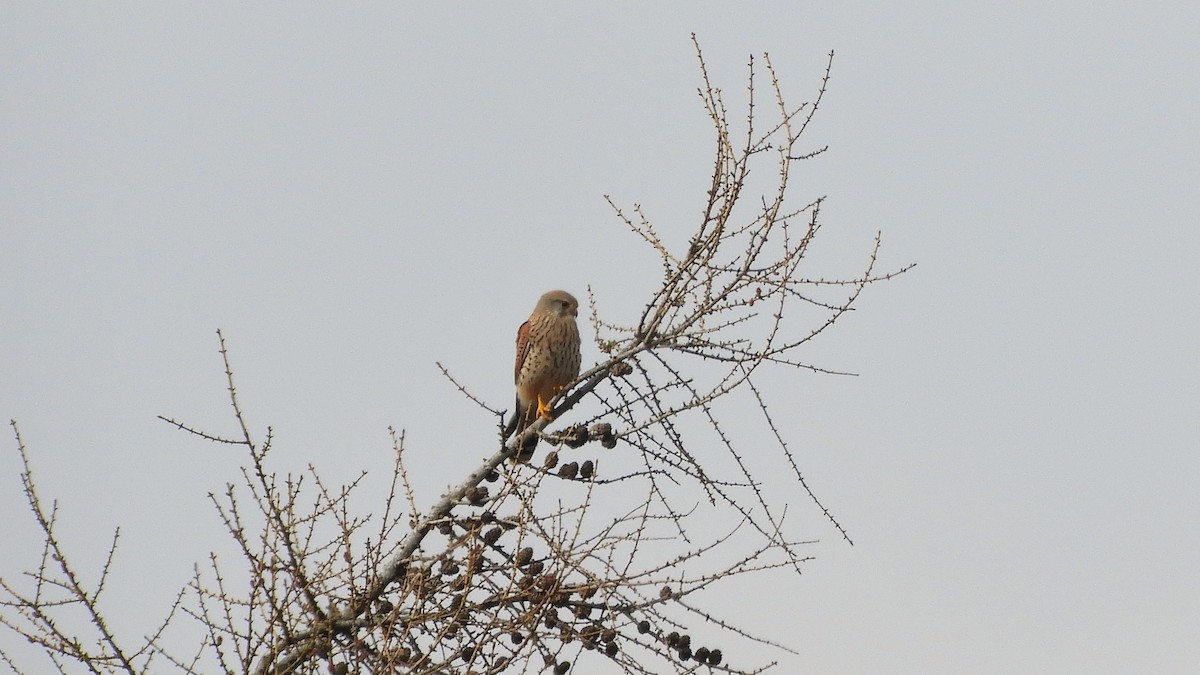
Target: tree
(518, 568)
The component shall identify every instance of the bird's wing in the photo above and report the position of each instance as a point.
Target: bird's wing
(522, 350)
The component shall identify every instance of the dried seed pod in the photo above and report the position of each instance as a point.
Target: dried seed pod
(643, 626)
(446, 528)
(608, 635)
(600, 429)
(608, 440)
(551, 459)
(535, 567)
(586, 469)
(477, 495)
(568, 471)
(546, 582)
(449, 568)
(516, 637)
(611, 649)
(524, 555)
(685, 640)
(701, 655)
(492, 476)
(576, 436)
(665, 592)
(492, 535)
(562, 668)
(487, 517)
(685, 654)
(673, 639)
(714, 657)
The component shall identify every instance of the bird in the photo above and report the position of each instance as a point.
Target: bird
(547, 361)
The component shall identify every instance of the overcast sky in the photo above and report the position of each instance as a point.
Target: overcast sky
(354, 194)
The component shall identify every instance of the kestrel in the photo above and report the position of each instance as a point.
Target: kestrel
(547, 359)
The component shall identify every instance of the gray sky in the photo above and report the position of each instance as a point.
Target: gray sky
(349, 194)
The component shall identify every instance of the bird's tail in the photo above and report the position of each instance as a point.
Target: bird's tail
(520, 420)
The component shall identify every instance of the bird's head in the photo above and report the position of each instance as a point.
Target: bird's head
(559, 303)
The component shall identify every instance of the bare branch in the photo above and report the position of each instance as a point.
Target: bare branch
(651, 491)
